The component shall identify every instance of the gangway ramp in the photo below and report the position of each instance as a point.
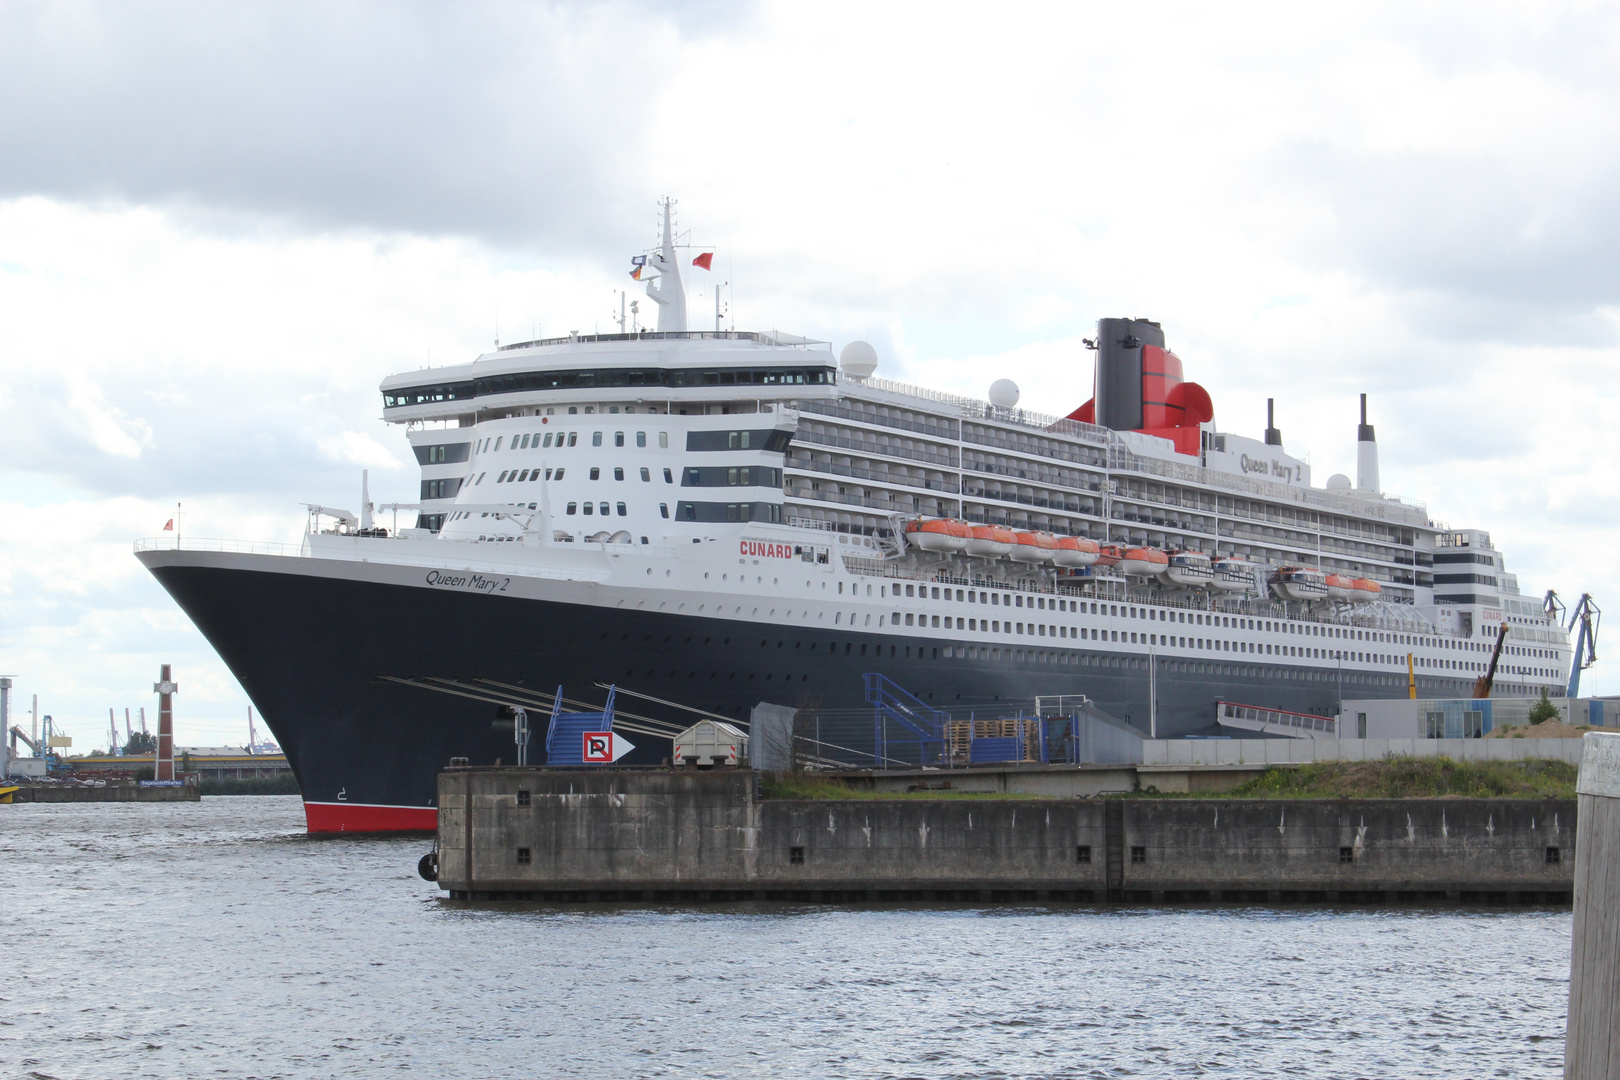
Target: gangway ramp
(1291, 725)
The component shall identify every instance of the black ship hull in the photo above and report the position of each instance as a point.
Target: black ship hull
(319, 654)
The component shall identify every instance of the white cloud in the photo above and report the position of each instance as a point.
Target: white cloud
(103, 423)
(1415, 203)
(353, 448)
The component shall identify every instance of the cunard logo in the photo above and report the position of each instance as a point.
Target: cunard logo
(762, 549)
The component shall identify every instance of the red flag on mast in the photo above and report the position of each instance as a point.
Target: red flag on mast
(704, 259)
(170, 526)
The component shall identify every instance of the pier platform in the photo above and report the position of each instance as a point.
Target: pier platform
(650, 835)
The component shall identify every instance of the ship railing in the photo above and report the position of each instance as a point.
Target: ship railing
(1120, 456)
(802, 436)
(1112, 588)
(775, 339)
(234, 547)
(829, 469)
(447, 561)
(1406, 513)
(823, 408)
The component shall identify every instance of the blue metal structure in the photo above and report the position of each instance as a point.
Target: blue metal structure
(565, 735)
(1586, 613)
(920, 725)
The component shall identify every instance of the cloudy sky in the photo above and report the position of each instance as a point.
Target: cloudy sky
(222, 224)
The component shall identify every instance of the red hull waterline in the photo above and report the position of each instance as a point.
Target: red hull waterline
(358, 817)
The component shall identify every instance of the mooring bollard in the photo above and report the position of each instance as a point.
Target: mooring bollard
(1592, 1035)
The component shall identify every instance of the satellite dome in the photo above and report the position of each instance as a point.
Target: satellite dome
(1004, 392)
(858, 359)
(1339, 482)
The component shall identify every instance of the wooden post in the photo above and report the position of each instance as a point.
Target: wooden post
(1592, 1037)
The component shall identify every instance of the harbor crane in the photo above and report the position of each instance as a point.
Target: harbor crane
(1587, 616)
(1482, 685)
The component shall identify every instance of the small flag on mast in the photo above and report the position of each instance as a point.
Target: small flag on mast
(170, 526)
(636, 274)
(704, 260)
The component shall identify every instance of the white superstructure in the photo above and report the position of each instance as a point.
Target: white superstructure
(662, 465)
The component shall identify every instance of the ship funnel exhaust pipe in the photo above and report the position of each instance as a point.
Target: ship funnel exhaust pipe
(1366, 453)
(1273, 436)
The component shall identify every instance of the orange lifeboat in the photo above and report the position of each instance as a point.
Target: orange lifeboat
(1364, 590)
(1338, 587)
(938, 534)
(1034, 547)
(1109, 554)
(990, 541)
(1076, 551)
(1143, 562)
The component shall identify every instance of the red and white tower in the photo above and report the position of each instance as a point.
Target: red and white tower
(165, 690)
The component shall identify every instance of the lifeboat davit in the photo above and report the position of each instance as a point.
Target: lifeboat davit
(1233, 574)
(1338, 587)
(1364, 590)
(938, 534)
(1144, 562)
(1034, 547)
(1300, 583)
(1109, 554)
(1076, 551)
(990, 541)
(1190, 569)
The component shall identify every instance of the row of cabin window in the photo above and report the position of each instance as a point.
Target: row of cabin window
(1191, 618)
(748, 511)
(519, 476)
(721, 476)
(573, 508)
(543, 440)
(995, 626)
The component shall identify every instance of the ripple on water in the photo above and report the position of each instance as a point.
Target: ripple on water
(178, 940)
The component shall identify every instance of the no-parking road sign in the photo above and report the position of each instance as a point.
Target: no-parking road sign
(604, 748)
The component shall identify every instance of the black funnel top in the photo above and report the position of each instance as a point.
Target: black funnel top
(1119, 370)
(1273, 436)
(1364, 432)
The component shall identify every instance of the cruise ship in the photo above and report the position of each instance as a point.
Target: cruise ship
(717, 518)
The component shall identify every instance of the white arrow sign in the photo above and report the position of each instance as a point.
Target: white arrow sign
(604, 747)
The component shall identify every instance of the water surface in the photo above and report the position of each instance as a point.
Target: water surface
(216, 940)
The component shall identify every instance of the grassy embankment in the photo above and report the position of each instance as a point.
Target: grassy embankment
(1392, 778)
(1413, 778)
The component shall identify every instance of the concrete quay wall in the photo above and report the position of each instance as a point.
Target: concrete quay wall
(113, 791)
(650, 835)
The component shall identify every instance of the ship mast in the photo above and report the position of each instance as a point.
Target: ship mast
(666, 290)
